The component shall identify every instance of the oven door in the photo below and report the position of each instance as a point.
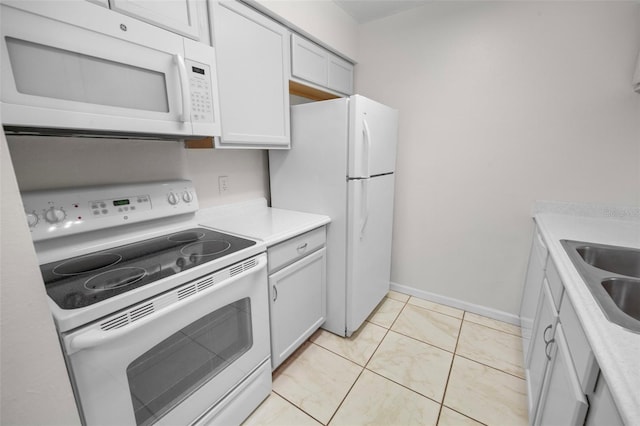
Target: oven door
(169, 359)
(86, 68)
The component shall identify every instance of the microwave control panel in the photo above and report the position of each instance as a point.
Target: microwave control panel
(200, 81)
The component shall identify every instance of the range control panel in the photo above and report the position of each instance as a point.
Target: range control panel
(61, 212)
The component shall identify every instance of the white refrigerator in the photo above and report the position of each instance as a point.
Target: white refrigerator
(341, 164)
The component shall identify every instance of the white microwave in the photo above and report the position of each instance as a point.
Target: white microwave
(78, 68)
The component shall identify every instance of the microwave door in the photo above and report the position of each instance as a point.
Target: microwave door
(61, 74)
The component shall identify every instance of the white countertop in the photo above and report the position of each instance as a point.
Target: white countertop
(616, 349)
(254, 219)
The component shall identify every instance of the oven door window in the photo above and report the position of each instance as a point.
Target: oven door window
(176, 367)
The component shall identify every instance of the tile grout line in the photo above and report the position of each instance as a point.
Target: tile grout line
(386, 333)
(365, 365)
(453, 359)
(422, 341)
(296, 406)
(404, 386)
(494, 328)
(489, 366)
(462, 414)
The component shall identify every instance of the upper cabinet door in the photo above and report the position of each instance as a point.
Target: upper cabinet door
(253, 77)
(340, 75)
(311, 63)
(179, 16)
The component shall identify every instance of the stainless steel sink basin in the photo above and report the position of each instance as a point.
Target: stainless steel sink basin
(625, 293)
(612, 259)
(612, 274)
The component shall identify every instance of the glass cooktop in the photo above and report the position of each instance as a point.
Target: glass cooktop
(84, 280)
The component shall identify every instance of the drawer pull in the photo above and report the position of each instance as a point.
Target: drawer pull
(302, 247)
(275, 293)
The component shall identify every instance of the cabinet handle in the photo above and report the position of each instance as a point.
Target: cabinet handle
(546, 349)
(544, 334)
(302, 246)
(275, 293)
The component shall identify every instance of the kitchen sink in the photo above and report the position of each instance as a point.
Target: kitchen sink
(612, 259)
(612, 274)
(625, 293)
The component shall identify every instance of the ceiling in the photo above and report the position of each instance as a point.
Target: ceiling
(370, 10)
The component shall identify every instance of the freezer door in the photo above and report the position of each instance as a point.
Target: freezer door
(373, 135)
(370, 220)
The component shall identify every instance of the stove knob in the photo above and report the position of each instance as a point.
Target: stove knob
(55, 215)
(173, 198)
(32, 219)
(187, 196)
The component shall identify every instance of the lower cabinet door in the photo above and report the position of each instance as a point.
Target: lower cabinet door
(298, 304)
(538, 360)
(562, 401)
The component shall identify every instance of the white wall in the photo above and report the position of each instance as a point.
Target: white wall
(34, 385)
(501, 104)
(322, 20)
(47, 162)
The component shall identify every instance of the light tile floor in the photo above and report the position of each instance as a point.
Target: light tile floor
(413, 362)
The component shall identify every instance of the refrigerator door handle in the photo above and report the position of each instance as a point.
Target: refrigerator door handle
(364, 210)
(367, 154)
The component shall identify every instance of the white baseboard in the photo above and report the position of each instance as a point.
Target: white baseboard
(456, 303)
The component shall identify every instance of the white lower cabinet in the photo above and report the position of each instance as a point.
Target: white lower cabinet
(602, 407)
(297, 294)
(561, 369)
(532, 288)
(562, 401)
(536, 367)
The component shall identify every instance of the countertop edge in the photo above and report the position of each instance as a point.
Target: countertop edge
(618, 366)
(243, 219)
(283, 236)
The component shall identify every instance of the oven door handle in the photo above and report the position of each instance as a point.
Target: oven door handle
(96, 336)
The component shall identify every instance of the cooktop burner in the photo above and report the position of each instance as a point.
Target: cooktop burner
(84, 280)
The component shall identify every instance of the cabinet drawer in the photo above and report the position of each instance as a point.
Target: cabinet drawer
(291, 250)
(583, 359)
(555, 283)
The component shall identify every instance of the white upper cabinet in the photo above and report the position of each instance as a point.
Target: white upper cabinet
(253, 77)
(314, 64)
(340, 75)
(179, 16)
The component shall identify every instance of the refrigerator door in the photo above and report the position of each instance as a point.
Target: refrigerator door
(370, 220)
(373, 134)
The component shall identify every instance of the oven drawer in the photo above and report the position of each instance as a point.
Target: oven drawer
(291, 250)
